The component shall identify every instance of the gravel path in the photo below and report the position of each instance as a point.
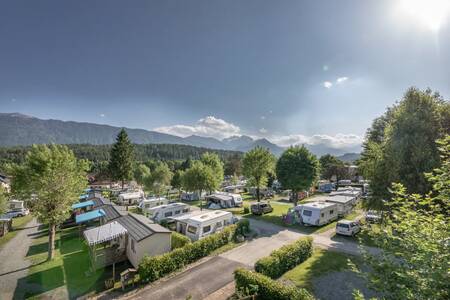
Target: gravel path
(13, 265)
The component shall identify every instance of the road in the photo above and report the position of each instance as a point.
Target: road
(214, 274)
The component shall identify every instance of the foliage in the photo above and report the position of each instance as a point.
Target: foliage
(246, 210)
(3, 200)
(53, 178)
(332, 166)
(141, 172)
(243, 227)
(122, 158)
(284, 259)
(415, 241)
(297, 169)
(400, 146)
(266, 288)
(159, 179)
(198, 177)
(155, 267)
(256, 164)
(213, 161)
(178, 240)
(233, 165)
(176, 181)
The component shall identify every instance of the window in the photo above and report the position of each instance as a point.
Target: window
(192, 229)
(322, 215)
(132, 246)
(185, 210)
(343, 225)
(207, 229)
(219, 224)
(331, 212)
(307, 213)
(177, 212)
(168, 214)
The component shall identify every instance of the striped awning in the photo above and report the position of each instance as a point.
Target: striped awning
(104, 233)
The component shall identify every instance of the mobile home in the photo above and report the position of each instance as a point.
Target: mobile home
(344, 203)
(199, 224)
(130, 198)
(163, 212)
(223, 200)
(148, 203)
(318, 213)
(190, 196)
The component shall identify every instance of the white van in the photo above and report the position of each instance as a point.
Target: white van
(199, 224)
(163, 212)
(346, 227)
(148, 203)
(318, 213)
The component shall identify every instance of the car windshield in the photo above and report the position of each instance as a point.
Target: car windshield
(342, 225)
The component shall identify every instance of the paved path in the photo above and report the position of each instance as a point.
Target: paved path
(13, 264)
(213, 278)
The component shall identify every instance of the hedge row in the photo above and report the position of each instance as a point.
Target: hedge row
(266, 288)
(155, 267)
(178, 240)
(286, 258)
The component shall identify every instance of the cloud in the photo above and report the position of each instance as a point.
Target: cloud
(341, 80)
(263, 117)
(207, 127)
(338, 141)
(263, 130)
(325, 68)
(327, 84)
(102, 115)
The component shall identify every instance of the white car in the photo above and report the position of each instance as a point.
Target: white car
(20, 212)
(346, 227)
(373, 216)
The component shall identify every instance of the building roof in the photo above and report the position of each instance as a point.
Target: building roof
(340, 199)
(104, 233)
(82, 204)
(209, 215)
(91, 215)
(318, 205)
(111, 212)
(139, 227)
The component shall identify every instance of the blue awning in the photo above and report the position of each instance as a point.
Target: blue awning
(92, 215)
(84, 196)
(87, 190)
(82, 204)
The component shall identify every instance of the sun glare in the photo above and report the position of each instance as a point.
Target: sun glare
(429, 13)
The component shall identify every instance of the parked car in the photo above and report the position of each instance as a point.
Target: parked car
(373, 216)
(346, 227)
(21, 212)
(261, 208)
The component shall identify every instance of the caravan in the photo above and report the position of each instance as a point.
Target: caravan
(223, 200)
(163, 212)
(148, 203)
(317, 213)
(344, 204)
(199, 224)
(130, 198)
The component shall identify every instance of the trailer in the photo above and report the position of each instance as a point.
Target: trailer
(164, 212)
(317, 213)
(151, 202)
(344, 204)
(223, 200)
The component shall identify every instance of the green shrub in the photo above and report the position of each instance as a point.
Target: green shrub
(266, 288)
(286, 258)
(246, 210)
(178, 240)
(154, 267)
(243, 227)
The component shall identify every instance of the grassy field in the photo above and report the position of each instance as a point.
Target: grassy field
(69, 270)
(18, 224)
(320, 263)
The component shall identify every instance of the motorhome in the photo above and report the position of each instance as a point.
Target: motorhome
(223, 200)
(344, 204)
(148, 203)
(163, 212)
(317, 213)
(130, 198)
(199, 224)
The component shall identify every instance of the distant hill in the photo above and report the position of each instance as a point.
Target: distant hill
(264, 143)
(349, 157)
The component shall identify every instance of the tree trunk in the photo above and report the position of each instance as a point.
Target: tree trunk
(51, 241)
(123, 183)
(200, 198)
(295, 198)
(258, 197)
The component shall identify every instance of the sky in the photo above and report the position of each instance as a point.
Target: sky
(291, 71)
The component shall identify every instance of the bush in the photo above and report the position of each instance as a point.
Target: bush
(178, 240)
(154, 267)
(286, 258)
(246, 210)
(266, 288)
(243, 227)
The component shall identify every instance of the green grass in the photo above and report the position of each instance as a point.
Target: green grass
(17, 225)
(70, 269)
(320, 263)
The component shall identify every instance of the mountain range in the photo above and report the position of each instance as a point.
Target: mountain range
(19, 129)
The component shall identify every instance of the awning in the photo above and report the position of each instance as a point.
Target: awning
(84, 196)
(82, 204)
(104, 233)
(92, 215)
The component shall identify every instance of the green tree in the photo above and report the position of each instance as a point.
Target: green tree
(198, 178)
(256, 164)
(415, 256)
(141, 172)
(332, 166)
(177, 181)
(297, 169)
(159, 179)
(122, 158)
(213, 161)
(3, 200)
(233, 165)
(53, 178)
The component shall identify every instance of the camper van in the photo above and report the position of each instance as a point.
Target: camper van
(344, 204)
(318, 213)
(163, 212)
(223, 200)
(129, 198)
(199, 224)
(148, 203)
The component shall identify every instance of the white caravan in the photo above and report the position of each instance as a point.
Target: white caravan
(344, 204)
(318, 213)
(129, 198)
(219, 200)
(148, 203)
(199, 224)
(163, 212)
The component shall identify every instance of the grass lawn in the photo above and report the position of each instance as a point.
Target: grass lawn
(320, 263)
(68, 270)
(17, 225)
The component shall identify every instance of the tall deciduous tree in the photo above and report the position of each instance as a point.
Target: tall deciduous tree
(213, 161)
(54, 178)
(332, 166)
(256, 164)
(122, 158)
(141, 172)
(177, 181)
(198, 178)
(297, 169)
(3, 200)
(159, 179)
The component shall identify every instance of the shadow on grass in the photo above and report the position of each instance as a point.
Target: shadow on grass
(274, 219)
(39, 282)
(40, 248)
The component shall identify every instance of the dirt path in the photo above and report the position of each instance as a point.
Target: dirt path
(13, 265)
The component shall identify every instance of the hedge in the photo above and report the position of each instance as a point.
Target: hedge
(152, 268)
(286, 258)
(266, 288)
(178, 240)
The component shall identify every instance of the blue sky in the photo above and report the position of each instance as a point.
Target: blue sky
(291, 71)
